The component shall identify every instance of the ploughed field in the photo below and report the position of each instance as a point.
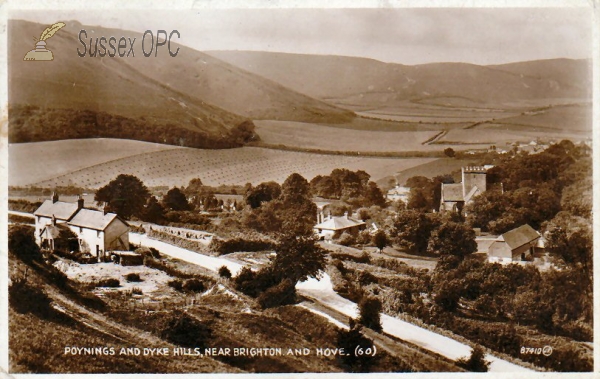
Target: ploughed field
(176, 166)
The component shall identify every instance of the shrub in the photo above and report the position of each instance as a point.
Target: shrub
(135, 291)
(109, 282)
(339, 265)
(349, 340)
(369, 309)
(346, 239)
(166, 268)
(365, 278)
(27, 298)
(282, 294)
(21, 242)
(236, 244)
(133, 277)
(224, 272)
(475, 363)
(363, 258)
(148, 252)
(254, 283)
(176, 284)
(193, 285)
(184, 330)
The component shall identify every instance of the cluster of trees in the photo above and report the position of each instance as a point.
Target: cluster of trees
(425, 194)
(30, 124)
(532, 189)
(280, 209)
(128, 197)
(352, 187)
(434, 233)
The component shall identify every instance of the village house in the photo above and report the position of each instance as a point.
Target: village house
(331, 227)
(517, 245)
(98, 232)
(455, 196)
(398, 193)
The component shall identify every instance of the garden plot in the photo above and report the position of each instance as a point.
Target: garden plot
(153, 282)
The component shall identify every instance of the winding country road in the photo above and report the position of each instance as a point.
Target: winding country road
(321, 291)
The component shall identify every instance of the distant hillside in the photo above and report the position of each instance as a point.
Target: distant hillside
(164, 96)
(361, 82)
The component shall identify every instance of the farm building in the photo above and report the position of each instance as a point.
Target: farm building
(516, 245)
(398, 193)
(456, 195)
(332, 227)
(97, 231)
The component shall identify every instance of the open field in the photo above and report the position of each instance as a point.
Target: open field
(501, 135)
(37, 161)
(177, 166)
(566, 118)
(306, 135)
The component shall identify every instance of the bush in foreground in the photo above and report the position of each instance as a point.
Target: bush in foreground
(369, 309)
(476, 362)
(282, 294)
(26, 298)
(351, 341)
(184, 330)
(133, 277)
(224, 272)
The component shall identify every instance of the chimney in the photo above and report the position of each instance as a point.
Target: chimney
(79, 202)
(346, 215)
(53, 220)
(54, 197)
(105, 208)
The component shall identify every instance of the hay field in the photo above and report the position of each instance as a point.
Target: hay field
(177, 166)
(37, 161)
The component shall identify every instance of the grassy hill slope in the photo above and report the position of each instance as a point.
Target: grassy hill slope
(191, 97)
(370, 83)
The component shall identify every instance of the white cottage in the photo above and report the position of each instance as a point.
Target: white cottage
(97, 231)
(100, 232)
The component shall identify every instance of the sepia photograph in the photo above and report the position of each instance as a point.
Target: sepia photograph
(266, 189)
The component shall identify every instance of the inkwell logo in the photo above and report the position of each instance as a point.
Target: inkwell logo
(40, 53)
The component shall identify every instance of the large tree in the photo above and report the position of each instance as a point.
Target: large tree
(262, 193)
(412, 230)
(176, 200)
(297, 211)
(298, 258)
(126, 196)
(452, 238)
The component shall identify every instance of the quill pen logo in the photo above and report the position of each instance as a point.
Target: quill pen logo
(41, 53)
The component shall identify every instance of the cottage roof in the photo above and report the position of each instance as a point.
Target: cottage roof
(60, 209)
(93, 219)
(54, 230)
(339, 223)
(452, 192)
(474, 191)
(399, 191)
(520, 236)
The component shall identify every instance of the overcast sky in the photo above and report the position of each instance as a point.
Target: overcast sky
(408, 36)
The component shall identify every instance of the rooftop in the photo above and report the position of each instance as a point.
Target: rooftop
(452, 192)
(339, 223)
(93, 219)
(60, 209)
(520, 236)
